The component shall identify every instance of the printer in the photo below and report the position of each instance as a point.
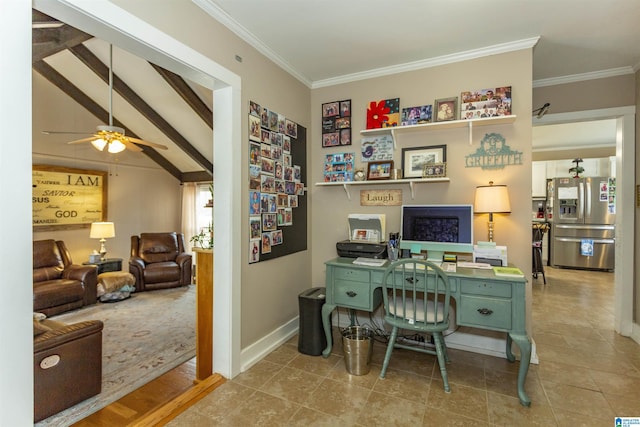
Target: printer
(366, 237)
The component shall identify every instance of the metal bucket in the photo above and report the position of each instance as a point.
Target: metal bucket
(357, 343)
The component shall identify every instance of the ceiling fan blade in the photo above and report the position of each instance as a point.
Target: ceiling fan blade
(78, 141)
(61, 132)
(150, 144)
(131, 146)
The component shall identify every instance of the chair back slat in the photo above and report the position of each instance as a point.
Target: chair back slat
(416, 294)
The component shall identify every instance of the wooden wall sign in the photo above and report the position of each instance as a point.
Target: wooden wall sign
(66, 198)
(380, 197)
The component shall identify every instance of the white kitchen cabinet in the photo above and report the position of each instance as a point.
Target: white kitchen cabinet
(539, 179)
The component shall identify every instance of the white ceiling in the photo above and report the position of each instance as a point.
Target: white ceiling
(579, 135)
(321, 41)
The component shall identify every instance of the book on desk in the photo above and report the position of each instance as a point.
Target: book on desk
(508, 272)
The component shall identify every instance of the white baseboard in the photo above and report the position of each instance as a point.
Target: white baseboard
(258, 350)
(488, 344)
(479, 341)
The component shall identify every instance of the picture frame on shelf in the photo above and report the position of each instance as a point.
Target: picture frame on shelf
(445, 109)
(483, 103)
(379, 170)
(434, 170)
(416, 115)
(414, 159)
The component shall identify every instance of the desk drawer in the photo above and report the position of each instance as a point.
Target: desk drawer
(352, 294)
(352, 274)
(481, 287)
(492, 313)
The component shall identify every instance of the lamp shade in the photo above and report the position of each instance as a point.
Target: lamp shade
(492, 199)
(102, 230)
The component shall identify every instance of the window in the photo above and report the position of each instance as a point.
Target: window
(204, 210)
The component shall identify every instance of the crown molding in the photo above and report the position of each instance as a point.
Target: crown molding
(572, 78)
(431, 62)
(225, 19)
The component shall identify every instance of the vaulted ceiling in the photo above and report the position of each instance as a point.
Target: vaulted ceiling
(175, 113)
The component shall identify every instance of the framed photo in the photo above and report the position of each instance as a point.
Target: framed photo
(434, 170)
(414, 159)
(482, 103)
(331, 109)
(336, 123)
(379, 170)
(416, 115)
(445, 109)
(330, 139)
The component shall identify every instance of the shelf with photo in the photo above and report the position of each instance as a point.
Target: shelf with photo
(451, 124)
(411, 182)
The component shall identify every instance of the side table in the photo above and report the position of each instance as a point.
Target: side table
(109, 264)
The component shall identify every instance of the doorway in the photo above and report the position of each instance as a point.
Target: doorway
(625, 177)
(106, 21)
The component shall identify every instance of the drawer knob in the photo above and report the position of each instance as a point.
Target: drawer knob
(485, 311)
(351, 294)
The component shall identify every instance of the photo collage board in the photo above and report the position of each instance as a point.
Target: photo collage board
(276, 183)
(339, 167)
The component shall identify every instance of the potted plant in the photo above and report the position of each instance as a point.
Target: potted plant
(204, 239)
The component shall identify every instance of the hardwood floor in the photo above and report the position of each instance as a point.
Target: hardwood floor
(156, 402)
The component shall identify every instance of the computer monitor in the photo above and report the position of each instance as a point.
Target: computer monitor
(437, 229)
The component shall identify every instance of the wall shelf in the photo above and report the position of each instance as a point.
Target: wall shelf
(452, 124)
(411, 182)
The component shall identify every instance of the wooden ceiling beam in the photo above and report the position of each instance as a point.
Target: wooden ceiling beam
(58, 80)
(49, 41)
(185, 91)
(201, 176)
(92, 61)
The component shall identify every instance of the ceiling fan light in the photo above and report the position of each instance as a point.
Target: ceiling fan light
(99, 144)
(115, 146)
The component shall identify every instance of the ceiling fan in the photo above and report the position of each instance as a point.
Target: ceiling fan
(111, 137)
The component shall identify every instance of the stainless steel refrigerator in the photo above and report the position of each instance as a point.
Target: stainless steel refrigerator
(583, 234)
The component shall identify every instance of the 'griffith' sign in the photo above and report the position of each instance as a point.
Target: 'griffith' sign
(493, 153)
(65, 198)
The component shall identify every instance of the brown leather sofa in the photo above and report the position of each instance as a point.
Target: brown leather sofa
(67, 365)
(58, 284)
(158, 261)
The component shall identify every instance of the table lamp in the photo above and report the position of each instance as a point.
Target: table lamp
(102, 231)
(491, 199)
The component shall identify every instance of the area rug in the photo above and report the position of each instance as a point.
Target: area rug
(144, 336)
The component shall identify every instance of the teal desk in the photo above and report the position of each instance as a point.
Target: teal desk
(483, 300)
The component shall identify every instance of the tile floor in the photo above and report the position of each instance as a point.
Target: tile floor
(586, 376)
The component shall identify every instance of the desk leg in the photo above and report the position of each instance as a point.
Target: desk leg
(510, 356)
(327, 309)
(524, 344)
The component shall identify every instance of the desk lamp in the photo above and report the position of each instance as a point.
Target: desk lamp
(102, 231)
(491, 199)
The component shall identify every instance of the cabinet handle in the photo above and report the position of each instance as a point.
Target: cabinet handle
(351, 294)
(485, 311)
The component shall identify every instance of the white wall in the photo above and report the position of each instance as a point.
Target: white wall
(16, 305)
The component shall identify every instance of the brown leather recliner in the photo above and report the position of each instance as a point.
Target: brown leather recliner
(158, 261)
(67, 365)
(58, 284)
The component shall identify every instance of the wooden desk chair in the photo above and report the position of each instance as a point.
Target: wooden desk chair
(416, 297)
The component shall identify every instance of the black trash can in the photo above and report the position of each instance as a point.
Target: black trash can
(311, 338)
